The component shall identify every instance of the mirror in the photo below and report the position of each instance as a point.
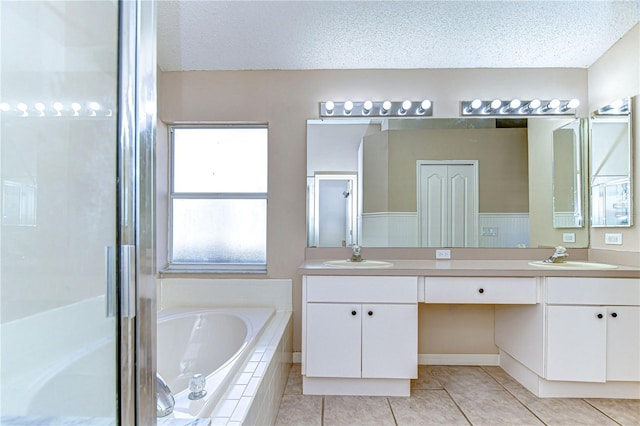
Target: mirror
(610, 166)
(568, 175)
(489, 169)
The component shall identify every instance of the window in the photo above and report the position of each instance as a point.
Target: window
(218, 206)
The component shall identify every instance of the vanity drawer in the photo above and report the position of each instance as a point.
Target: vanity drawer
(593, 291)
(481, 290)
(361, 289)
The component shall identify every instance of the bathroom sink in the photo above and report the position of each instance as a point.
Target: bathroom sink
(364, 264)
(573, 265)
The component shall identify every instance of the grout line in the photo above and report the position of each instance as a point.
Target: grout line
(457, 406)
(599, 410)
(391, 409)
(322, 412)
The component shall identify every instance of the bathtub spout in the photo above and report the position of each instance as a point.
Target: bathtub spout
(165, 402)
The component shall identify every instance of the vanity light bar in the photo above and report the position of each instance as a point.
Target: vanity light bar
(54, 109)
(396, 109)
(617, 107)
(517, 107)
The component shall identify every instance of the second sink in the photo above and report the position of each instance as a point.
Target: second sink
(573, 265)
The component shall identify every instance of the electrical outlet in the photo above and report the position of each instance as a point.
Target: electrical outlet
(613, 239)
(569, 237)
(443, 254)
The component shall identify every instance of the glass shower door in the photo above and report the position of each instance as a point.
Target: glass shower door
(59, 158)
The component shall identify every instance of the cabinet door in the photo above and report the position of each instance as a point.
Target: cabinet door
(623, 343)
(333, 340)
(390, 341)
(576, 343)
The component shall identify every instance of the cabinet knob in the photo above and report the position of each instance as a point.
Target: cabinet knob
(599, 316)
(481, 290)
(353, 313)
(614, 314)
(370, 313)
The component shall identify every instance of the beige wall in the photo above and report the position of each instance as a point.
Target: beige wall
(286, 99)
(616, 75)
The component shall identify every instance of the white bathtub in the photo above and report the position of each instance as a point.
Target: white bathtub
(211, 342)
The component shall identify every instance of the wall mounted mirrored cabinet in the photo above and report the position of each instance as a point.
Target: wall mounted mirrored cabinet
(458, 182)
(610, 165)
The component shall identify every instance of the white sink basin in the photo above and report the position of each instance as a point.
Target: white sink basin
(573, 265)
(363, 264)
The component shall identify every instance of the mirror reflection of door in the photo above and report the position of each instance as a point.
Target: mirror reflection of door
(447, 203)
(335, 205)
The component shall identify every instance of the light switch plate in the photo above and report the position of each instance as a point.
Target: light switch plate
(568, 237)
(443, 254)
(613, 239)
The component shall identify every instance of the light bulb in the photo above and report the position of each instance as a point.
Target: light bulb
(348, 106)
(573, 103)
(367, 106)
(329, 106)
(22, 106)
(424, 106)
(495, 104)
(406, 104)
(386, 106)
(476, 103)
(535, 104)
(40, 107)
(515, 104)
(58, 106)
(616, 104)
(5, 107)
(94, 106)
(553, 104)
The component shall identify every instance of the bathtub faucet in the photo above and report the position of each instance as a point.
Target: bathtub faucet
(165, 402)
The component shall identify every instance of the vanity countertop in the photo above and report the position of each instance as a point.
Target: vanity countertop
(471, 268)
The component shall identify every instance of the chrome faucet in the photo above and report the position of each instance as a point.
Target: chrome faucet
(166, 402)
(356, 257)
(558, 256)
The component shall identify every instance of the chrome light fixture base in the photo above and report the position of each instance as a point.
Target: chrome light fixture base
(360, 109)
(518, 108)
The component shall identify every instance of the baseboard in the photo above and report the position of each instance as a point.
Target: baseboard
(442, 359)
(458, 359)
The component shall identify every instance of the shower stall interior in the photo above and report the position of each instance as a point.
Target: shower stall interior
(77, 248)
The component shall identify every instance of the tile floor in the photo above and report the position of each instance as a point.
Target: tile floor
(452, 395)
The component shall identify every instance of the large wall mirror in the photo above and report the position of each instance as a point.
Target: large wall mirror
(442, 182)
(610, 166)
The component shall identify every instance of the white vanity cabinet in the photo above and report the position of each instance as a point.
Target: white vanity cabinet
(593, 329)
(583, 341)
(360, 335)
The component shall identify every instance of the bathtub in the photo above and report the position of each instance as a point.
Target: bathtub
(211, 342)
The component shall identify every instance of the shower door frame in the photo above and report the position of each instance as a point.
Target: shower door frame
(136, 263)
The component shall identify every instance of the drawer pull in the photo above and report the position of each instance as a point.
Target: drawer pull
(599, 316)
(370, 313)
(615, 314)
(353, 313)
(481, 290)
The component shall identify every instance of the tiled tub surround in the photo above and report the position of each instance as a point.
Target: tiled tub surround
(254, 393)
(525, 289)
(452, 395)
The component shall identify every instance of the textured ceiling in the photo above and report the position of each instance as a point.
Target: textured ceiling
(242, 35)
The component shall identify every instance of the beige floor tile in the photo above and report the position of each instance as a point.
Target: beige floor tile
(294, 382)
(425, 380)
(624, 411)
(426, 407)
(300, 410)
(492, 407)
(464, 379)
(357, 410)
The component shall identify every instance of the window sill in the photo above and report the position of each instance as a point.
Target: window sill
(206, 273)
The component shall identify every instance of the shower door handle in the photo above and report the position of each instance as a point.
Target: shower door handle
(127, 281)
(110, 296)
